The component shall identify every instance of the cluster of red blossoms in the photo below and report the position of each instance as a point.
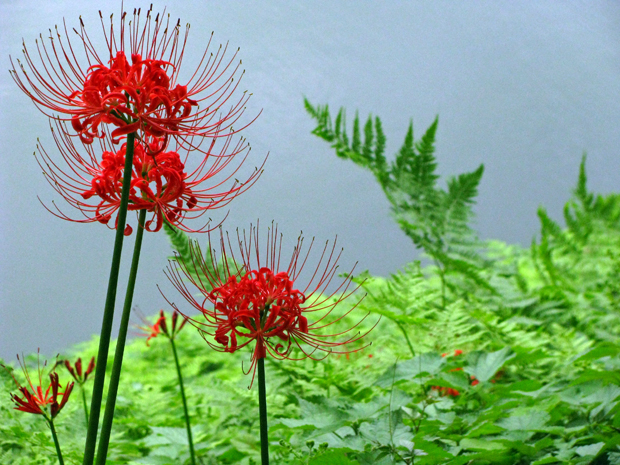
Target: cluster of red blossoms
(258, 302)
(448, 391)
(140, 96)
(132, 97)
(39, 400)
(160, 182)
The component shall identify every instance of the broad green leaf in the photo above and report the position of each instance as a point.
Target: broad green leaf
(596, 375)
(317, 416)
(534, 420)
(167, 435)
(485, 365)
(589, 450)
(603, 349)
(480, 444)
(546, 460)
(485, 428)
(425, 364)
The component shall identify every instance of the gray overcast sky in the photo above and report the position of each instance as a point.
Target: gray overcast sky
(523, 87)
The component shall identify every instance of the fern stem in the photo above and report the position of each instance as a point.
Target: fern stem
(187, 423)
(50, 422)
(108, 418)
(406, 337)
(108, 312)
(442, 278)
(262, 408)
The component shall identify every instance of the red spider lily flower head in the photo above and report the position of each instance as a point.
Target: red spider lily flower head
(162, 181)
(134, 84)
(259, 302)
(148, 329)
(34, 399)
(160, 326)
(77, 373)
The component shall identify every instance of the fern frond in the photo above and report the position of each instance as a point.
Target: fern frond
(581, 191)
(462, 191)
(434, 219)
(356, 141)
(426, 145)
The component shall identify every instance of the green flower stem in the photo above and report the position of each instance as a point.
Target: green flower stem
(187, 424)
(262, 408)
(108, 417)
(84, 402)
(56, 443)
(108, 313)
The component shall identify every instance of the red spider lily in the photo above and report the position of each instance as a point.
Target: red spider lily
(77, 373)
(35, 399)
(133, 86)
(150, 331)
(160, 326)
(258, 302)
(161, 183)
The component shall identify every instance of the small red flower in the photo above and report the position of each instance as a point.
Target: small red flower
(36, 399)
(161, 183)
(160, 326)
(148, 330)
(260, 303)
(77, 373)
(133, 85)
(447, 391)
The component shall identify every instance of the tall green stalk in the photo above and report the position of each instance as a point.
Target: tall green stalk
(187, 423)
(108, 417)
(108, 313)
(262, 408)
(56, 443)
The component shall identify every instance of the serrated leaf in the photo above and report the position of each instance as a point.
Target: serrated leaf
(604, 349)
(485, 365)
(484, 429)
(590, 450)
(546, 460)
(425, 364)
(531, 421)
(317, 416)
(479, 444)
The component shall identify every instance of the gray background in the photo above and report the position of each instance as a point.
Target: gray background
(523, 87)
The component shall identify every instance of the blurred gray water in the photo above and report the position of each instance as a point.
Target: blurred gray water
(523, 87)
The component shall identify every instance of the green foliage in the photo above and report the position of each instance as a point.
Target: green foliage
(435, 219)
(189, 256)
(537, 381)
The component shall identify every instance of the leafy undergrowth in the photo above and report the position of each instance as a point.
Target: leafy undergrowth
(492, 354)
